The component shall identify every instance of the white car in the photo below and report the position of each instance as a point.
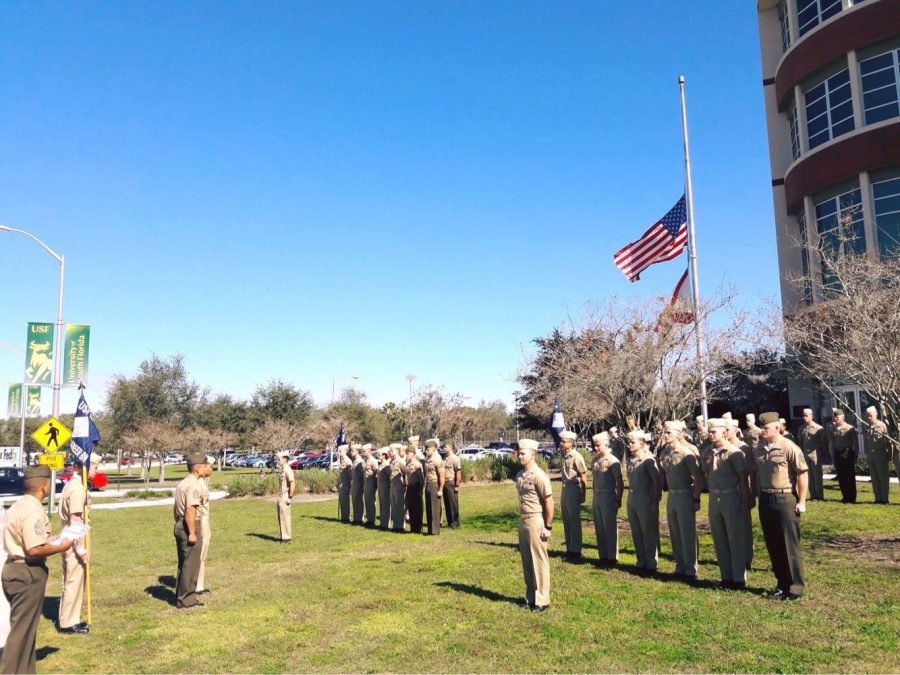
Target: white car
(471, 453)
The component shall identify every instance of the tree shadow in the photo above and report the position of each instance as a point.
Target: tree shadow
(161, 592)
(478, 591)
(42, 653)
(50, 609)
(265, 537)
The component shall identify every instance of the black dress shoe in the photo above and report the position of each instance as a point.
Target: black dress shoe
(194, 606)
(790, 597)
(80, 628)
(526, 605)
(205, 591)
(776, 593)
(537, 609)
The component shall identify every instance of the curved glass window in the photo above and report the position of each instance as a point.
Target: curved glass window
(886, 199)
(810, 13)
(829, 109)
(839, 222)
(880, 77)
(795, 131)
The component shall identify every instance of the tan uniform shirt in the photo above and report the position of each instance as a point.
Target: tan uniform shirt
(371, 467)
(451, 466)
(187, 494)
(533, 488)
(724, 467)
(413, 470)
(843, 439)
(679, 463)
(286, 478)
(605, 471)
(641, 472)
(754, 433)
(434, 465)
(572, 467)
(778, 464)
(73, 499)
(812, 437)
(203, 507)
(27, 526)
(876, 437)
(397, 466)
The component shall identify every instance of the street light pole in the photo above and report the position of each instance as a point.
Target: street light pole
(335, 378)
(516, 395)
(410, 379)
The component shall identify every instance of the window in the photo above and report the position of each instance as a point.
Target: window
(839, 222)
(804, 260)
(886, 198)
(784, 22)
(881, 86)
(810, 13)
(795, 131)
(829, 109)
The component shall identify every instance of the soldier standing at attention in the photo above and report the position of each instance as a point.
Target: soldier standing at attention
(384, 488)
(729, 499)
(535, 525)
(345, 464)
(784, 430)
(452, 481)
(681, 467)
(701, 436)
(812, 443)
(188, 535)
(608, 489)
(617, 445)
(731, 435)
(753, 431)
(370, 483)
(573, 492)
(205, 528)
(844, 447)
(357, 478)
(398, 490)
(781, 481)
(644, 493)
(74, 502)
(285, 495)
(414, 477)
(434, 485)
(27, 542)
(878, 452)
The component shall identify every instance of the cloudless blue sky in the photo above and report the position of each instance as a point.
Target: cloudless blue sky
(310, 189)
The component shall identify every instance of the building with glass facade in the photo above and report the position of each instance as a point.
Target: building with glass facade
(831, 78)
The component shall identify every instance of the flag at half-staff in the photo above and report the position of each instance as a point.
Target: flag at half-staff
(664, 241)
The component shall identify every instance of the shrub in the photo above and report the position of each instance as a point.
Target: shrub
(480, 470)
(149, 494)
(246, 485)
(310, 481)
(503, 468)
(316, 481)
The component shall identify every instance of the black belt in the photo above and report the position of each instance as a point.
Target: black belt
(31, 562)
(782, 491)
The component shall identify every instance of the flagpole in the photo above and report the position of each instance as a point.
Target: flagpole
(692, 251)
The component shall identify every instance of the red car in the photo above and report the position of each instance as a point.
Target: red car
(98, 482)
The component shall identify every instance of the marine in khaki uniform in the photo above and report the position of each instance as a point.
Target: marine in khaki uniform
(285, 495)
(357, 478)
(726, 472)
(644, 492)
(398, 489)
(574, 489)
(413, 479)
(753, 432)
(535, 524)
(617, 444)
(26, 538)
(878, 450)
(344, 467)
(608, 487)
(731, 435)
(681, 466)
(780, 479)
(74, 504)
(370, 483)
(452, 481)
(811, 439)
(843, 444)
(384, 488)
(205, 531)
(434, 485)
(701, 435)
(188, 535)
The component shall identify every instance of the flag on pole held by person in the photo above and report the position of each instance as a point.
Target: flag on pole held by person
(664, 241)
(557, 423)
(84, 433)
(341, 437)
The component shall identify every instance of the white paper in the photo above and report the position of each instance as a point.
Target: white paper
(72, 532)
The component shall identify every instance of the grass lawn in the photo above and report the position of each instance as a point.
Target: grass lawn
(346, 599)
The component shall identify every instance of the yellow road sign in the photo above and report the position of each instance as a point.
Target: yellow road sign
(55, 461)
(52, 436)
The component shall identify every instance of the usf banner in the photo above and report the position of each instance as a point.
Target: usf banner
(39, 353)
(32, 403)
(76, 348)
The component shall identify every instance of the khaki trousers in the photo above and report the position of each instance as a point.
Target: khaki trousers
(571, 513)
(72, 590)
(726, 520)
(644, 522)
(605, 527)
(204, 551)
(369, 489)
(535, 560)
(356, 495)
(816, 487)
(879, 470)
(683, 530)
(23, 586)
(284, 518)
(451, 504)
(398, 505)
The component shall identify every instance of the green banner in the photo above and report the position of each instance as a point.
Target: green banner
(39, 354)
(14, 402)
(33, 403)
(75, 354)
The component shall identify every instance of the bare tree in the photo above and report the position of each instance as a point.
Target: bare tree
(276, 435)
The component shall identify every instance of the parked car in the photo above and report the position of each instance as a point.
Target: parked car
(12, 480)
(471, 452)
(98, 482)
(174, 458)
(499, 445)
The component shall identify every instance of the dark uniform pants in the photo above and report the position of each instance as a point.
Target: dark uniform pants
(816, 488)
(879, 471)
(643, 518)
(414, 507)
(384, 504)
(781, 531)
(356, 493)
(23, 586)
(605, 526)
(433, 508)
(571, 513)
(398, 506)
(369, 490)
(188, 565)
(344, 501)
(683, 530)
(727, 521)
(451, 505)
(845, 468)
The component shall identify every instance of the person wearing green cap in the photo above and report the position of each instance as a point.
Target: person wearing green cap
(26, 538)
(188, 532)
(844, 446)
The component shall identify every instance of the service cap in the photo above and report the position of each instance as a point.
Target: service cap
(717, 423)
(383, 451)
(568, 435)
(872, 410)
(726, 415)
(343, 448)
(672, 425)
(732, 424)
(38, 471)
(636, 435)
(699, 419)
(528, 444)
(367, 446)
(837, 412)
(196, 458)
(432, 442)
(396, 446)
(283, 453)
(769, 418)
(807, 411)
(602, 437)
(413, 439)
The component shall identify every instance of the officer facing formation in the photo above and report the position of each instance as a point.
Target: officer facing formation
(452, 481)
(535, 524)
(398, 489)
(285, 495)
(370, 483)
(781, 480)
(384, 488)
(811, 439)
(188, 534)
(608, 487)
(344, 479)
(681, 467)
(878, 451)
(644, 493)
(413, 479)
(844, 446)
(434, 485)
(357, 478)
(573, 492)
(26, 538)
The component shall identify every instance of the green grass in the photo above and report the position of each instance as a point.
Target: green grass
(346, 599)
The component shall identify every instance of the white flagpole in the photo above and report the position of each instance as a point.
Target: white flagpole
(692, 250)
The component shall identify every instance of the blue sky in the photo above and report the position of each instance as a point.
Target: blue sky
(306, 190)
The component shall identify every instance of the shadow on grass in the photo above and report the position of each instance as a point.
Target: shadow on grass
(167, 580)
(50, 609)
(327, 519)
(265, 537)
(478, 591)
(161, 592)
(42, 653)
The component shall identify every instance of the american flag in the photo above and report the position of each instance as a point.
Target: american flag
(664, 241)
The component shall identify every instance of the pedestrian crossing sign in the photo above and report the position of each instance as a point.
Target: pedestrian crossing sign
(52, 436)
